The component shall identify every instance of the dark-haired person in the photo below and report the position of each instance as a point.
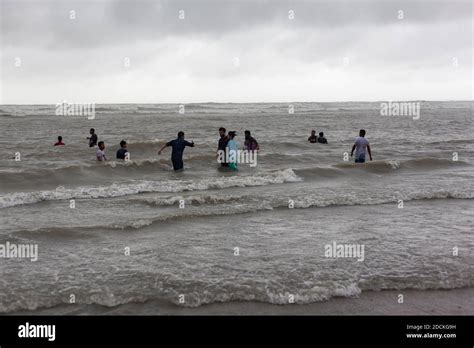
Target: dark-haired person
(250, 144)
(313, 138)
(123, 153)
(100, 154)
(92, 138)
(322, 139)
(222, 144)
(360, 145)
(59, 142)
(178, 146)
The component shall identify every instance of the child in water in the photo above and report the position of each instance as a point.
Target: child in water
(59, 142)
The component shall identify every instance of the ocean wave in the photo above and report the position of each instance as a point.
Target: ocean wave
(78, 173)
(378, 167)
(354, 199)
(452, 141)
(73, 172)
(390, 165)
(117, 190)
(209, 204)
(168, 290)
(191, 199)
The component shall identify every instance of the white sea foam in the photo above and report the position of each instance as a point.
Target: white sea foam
(117, 190)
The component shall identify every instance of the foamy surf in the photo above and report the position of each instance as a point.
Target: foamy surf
(167, 289)
(117, 190)
(391, 165)
(207, 204)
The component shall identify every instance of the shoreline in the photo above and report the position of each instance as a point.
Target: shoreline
(385, 302)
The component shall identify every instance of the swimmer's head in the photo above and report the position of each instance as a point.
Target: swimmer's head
(92, 131)
(313, 132)
(321, 134)
(180, 134)
(247, 133)
(362, 133)
(101, 145)
(60, 138)
(222, 132)
(232, 134)
(123, 144)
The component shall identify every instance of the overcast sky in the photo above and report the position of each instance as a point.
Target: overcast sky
(235, 51)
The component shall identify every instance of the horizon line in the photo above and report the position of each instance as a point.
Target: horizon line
(266, 102)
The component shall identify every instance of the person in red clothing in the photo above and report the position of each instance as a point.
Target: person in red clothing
(60, 141)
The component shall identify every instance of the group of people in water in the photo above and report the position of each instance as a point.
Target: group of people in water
(226, 142)
(313, 138)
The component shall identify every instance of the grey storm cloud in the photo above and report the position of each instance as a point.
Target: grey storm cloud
(279, 58)
(104, 23)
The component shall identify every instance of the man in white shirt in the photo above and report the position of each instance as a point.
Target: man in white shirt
(100, 154)
(361, 143)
